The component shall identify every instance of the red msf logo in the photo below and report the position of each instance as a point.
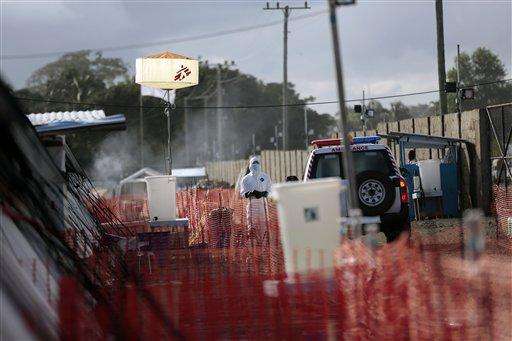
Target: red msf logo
(182, 73)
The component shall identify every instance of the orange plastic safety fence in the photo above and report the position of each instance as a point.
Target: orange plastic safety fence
(502, 204)
(225, 279)
(392, 293)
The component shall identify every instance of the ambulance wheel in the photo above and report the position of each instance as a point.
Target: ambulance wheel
(375, 192)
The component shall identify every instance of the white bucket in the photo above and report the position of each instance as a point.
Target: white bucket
(309, 220)
(161, 197)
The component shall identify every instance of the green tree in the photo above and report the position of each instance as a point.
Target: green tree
(381, 114)
(77, 76)
(481, 66)
(400, 111)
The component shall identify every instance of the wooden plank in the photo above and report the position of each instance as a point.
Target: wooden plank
(406, 125)
(270, 168)
(291, 165)
(435, 129)
(421, 127)
(275, 165)
(451, 125)
(282, 165)
(264, 161)
(298, 162)
(303, 161)
(233, 172)
(288, 164)
(285, 166)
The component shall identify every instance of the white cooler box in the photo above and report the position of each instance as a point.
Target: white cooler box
(309, 219)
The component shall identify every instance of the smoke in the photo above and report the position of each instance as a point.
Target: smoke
(119, 155)
(203, 131)
(116, 158)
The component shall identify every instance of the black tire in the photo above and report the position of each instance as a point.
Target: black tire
(375, 191)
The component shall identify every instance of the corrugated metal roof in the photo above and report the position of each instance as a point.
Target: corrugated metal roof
(88, 116)
(65, 122)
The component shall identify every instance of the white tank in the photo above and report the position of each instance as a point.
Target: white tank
(430, 174)
(161, 197)
(309, 220)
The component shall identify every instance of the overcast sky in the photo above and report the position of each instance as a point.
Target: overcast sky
(388, 46)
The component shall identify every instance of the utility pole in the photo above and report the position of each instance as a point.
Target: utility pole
(185, 123)
(141, 121)
(219, 113)
(441, 70)
(364, 118)
(167, 110)
(348, 162)
(459, 99)
(286, 12)
(205, 123)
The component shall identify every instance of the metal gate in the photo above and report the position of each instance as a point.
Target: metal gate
(499, 135)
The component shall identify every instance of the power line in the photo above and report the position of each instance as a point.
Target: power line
(92, 104)
(160, 42)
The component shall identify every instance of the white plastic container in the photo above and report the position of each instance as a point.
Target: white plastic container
(430, 174)
(309, 215)
(161, 197)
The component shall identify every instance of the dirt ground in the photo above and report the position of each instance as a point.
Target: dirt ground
(448, 236)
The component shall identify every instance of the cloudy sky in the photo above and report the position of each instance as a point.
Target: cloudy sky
(389, 47)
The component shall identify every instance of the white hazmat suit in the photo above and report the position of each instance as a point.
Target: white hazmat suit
(256, 186)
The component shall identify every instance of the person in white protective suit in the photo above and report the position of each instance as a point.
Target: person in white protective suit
(255, 186)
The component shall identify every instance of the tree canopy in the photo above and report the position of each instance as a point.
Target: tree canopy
(480, 67)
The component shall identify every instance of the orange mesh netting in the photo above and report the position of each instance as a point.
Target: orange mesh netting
(502, 205)
(393, 293)
(229, 283)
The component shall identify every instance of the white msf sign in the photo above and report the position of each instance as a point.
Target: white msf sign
(167, 73)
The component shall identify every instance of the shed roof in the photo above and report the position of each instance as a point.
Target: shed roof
(141, 174)
(68, 121)
(194, 172)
